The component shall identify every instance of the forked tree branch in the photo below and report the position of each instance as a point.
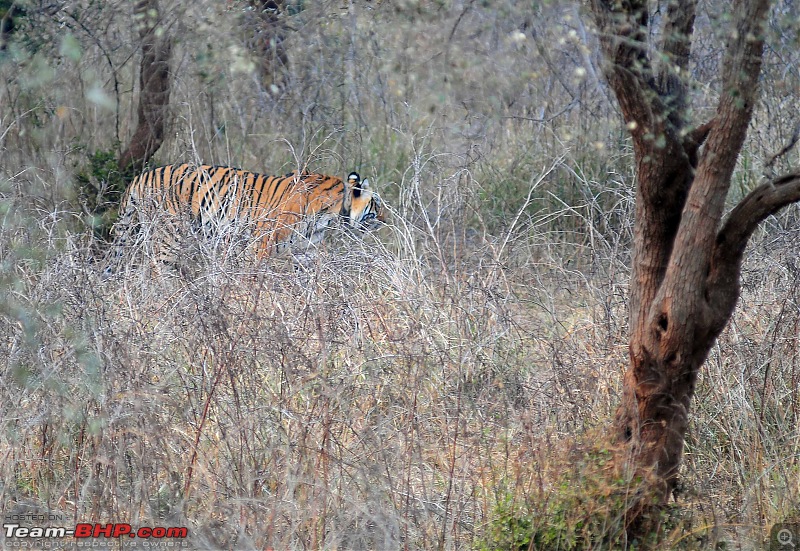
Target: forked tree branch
(685, 277)
(706, 199)
(665, 157)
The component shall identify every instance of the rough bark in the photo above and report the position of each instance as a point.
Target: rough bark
(154, 87)
(686, 263)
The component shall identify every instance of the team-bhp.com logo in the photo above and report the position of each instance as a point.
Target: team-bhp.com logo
(15, 533)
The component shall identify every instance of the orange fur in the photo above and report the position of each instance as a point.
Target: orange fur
(283, 210)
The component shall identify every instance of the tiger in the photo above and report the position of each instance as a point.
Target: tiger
(285, 212)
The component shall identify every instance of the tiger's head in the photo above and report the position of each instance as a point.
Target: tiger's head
(362, 208)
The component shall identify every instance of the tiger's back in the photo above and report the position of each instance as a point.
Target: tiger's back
(282, 211)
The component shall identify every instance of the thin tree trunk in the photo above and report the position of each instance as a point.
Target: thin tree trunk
(154, 87)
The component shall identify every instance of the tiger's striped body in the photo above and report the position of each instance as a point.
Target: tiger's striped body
(282, 211)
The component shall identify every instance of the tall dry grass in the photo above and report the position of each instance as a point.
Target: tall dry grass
(413, 389)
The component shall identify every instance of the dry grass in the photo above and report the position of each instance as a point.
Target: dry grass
(360, 402)
(401, 391)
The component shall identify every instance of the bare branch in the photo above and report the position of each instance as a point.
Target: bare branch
(788, 147)
(726, 259)
(765, 200)
(665, 165)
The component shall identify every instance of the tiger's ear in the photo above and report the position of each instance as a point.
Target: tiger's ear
(354, 183)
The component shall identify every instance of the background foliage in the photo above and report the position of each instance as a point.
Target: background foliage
(423, 388)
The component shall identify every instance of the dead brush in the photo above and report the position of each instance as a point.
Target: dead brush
(282, 404)
(406, 388)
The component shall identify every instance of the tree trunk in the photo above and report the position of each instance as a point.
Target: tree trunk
(686, 263)
(154, 87)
